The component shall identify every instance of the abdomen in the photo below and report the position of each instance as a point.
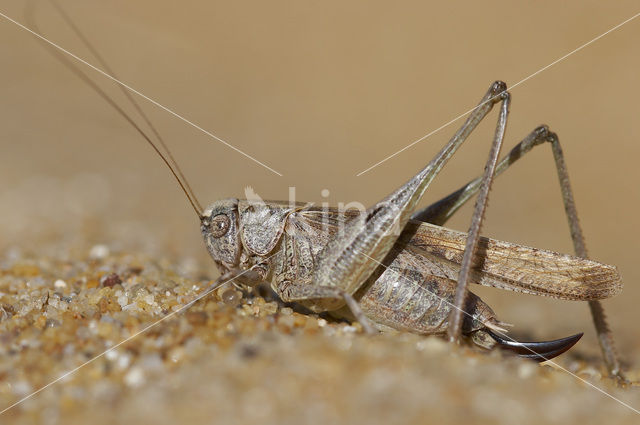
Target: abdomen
(406, 297)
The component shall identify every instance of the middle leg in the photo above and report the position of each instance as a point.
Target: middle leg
(473, 236)
(356, 250)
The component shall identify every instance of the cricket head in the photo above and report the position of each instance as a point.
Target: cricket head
(219, 227)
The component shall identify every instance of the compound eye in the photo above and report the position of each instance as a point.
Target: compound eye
(219, 225)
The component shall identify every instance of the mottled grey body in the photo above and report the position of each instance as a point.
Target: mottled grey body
(412, 289)
(402, 293)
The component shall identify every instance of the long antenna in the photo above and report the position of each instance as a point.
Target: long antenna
(128, 95)
(170, 163)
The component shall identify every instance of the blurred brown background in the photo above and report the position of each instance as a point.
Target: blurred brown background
(320, 91)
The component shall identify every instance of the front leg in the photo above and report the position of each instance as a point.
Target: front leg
(300, 292)
(255, 275)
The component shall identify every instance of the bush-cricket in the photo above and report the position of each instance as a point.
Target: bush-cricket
(392, 266)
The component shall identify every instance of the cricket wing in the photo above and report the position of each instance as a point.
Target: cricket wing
(514, 267)
(316, 226)
(322, 223)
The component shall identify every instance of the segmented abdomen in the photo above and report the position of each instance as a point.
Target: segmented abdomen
(406, 297)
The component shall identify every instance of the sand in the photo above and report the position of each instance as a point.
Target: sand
(247, 359)
(97, 241)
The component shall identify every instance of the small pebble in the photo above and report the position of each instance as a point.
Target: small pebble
(111, 280)
(432, 345)
(60, 284)
(123, 300)
(196, 318)
(135, 377)
(52, 323)
(176, 354)
(22, 388)
(99, 252)
(527, 369)
(111, 355)
(124, 360)
(231, 297)
(286, 321)
(269, 308)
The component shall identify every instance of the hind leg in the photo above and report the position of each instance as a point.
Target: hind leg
(440, 211)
